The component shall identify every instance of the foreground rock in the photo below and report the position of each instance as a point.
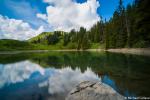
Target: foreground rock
(93, 91)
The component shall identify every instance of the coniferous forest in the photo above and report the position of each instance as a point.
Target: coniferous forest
(128, 28)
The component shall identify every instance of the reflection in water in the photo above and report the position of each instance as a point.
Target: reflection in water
(63, 80)
(17, 72)
(26, 78)
(108, 81)
(33, 75)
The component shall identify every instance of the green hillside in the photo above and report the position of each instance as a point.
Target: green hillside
(47, 38)
(8, 44)
(56, 40)
(44, 41)
(40, 37)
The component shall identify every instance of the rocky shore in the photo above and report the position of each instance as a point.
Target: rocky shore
(93, 91)
(137, 51)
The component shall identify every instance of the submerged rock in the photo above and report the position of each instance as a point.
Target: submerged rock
(93, 91)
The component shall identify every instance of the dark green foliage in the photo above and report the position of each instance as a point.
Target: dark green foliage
(54, 38)
(66, 39)
(116, 29)
(7, 44)
(73, 35)
(47, 38)
(129, 27)
(80, 36)
(41, 39)
(143, 21)
(83, 41)
(79, 40)
(96, 33)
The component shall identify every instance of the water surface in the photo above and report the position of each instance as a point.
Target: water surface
(51, 75)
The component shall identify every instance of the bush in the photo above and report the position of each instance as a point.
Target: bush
(72, 46)
(140, 44)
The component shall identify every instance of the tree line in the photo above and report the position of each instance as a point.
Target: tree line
(128, 28)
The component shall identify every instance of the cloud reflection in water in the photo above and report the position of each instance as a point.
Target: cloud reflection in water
(63, 80)
(57, 82)
(17, 72)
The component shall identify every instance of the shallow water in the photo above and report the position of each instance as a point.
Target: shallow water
(51, 75)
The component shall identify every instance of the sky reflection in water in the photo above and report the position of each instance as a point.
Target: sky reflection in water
(25, 77)
(51, 75)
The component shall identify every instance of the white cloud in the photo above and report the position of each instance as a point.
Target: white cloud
(42, 16)
(61, 15)
(24, 10)
(66, 15)
(17, 29)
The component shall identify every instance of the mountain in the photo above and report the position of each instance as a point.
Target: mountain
(47, 38)
(40, 37)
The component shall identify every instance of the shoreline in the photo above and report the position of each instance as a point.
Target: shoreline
(135, 51)
(38, 51)
(22, 51)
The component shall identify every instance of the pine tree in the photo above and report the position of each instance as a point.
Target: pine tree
(122, 34)
(143, 22)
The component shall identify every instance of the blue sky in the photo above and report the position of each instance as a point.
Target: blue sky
(22, 9)
(40, 13)
(106, 8)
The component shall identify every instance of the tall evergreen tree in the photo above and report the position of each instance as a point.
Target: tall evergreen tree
(143, 22)
(122, 34)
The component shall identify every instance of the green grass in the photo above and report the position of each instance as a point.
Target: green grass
(41, 36)
(13, 45)
(7, 44)
(97, 46)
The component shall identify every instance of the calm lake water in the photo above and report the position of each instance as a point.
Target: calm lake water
(50, 76)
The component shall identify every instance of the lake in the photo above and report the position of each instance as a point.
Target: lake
(51, 75)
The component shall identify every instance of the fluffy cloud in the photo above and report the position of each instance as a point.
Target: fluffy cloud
(25, 10)
(17, 29)
(42, 16)
(68, 14)
(61, 15)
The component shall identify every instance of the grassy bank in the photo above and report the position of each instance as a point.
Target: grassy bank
(15, 45)
(23, 46)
